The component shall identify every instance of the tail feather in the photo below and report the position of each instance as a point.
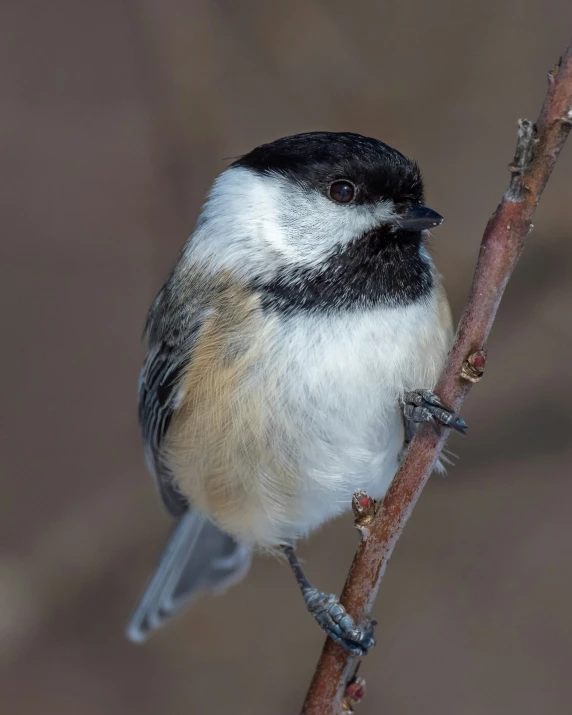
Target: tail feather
(198, 557)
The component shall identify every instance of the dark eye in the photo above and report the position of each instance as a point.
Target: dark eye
(342, 191)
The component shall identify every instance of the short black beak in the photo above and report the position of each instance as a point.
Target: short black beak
(419, 218)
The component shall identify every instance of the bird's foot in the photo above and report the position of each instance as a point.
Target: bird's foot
(333, 618)
(425, 406)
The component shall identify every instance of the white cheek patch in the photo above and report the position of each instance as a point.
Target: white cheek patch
(256, 224)
(314, 225)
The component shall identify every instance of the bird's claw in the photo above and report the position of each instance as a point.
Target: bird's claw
(425, 406)
(333, 618)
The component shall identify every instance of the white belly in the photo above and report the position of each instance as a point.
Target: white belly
(341, 381)
(287, 425)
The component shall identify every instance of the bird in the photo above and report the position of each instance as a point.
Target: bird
(291, 355)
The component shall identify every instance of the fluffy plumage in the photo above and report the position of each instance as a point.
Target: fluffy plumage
(287, 332)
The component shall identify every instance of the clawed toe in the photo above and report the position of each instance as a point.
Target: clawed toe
(333, 618)
(425, 406)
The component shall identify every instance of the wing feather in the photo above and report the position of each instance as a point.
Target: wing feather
(170, 350)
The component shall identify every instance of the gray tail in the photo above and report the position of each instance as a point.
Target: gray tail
(198, 557)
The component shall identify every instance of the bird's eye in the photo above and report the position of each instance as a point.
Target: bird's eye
(342, 191)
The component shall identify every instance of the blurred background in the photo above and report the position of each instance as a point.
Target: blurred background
(115, 117)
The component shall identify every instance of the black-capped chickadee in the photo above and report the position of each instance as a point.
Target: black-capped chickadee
(283, 352)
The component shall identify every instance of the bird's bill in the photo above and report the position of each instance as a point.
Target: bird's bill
(419, 218)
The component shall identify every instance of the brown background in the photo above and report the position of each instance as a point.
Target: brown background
(114, 119)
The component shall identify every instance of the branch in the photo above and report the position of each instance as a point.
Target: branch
(538, 147)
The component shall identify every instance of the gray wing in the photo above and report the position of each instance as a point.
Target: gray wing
(198, 556)
(170, 349)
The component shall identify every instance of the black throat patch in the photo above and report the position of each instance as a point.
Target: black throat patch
(380, 268)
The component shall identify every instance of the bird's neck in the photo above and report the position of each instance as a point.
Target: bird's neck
(380, 268)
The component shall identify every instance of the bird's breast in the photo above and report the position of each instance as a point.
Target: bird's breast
(284, 416)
